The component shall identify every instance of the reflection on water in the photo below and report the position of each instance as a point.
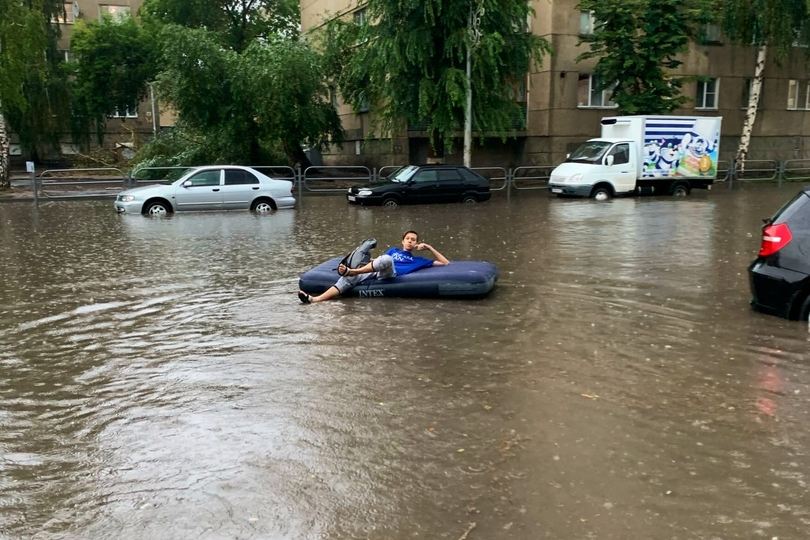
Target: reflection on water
(161, 380)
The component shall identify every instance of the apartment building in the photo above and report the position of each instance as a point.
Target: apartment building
(563, 109)
(124, 128)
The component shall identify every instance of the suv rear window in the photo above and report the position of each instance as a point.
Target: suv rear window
(472, 176)
(449, 175)
(796, 213)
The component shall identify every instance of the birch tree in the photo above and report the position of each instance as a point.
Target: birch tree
(773, 27)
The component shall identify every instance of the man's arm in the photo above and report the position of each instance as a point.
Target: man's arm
(441, 260)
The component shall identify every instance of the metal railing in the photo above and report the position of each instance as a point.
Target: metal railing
(73, 183)
(757, 170)
(316, 180)
(796, 170)
(531, 177)
(107, 181)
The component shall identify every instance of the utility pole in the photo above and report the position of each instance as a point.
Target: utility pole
(475, 38)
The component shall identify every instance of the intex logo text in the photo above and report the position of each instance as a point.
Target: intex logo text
(370, 293)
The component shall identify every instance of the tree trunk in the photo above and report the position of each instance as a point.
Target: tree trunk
(5, 148)
(751, 113)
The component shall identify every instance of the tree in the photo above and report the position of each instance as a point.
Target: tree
(409, 63)
(115, 60)
(637, 43)
(238, 72)
(771, 26)
(32, 91)
(237, 23)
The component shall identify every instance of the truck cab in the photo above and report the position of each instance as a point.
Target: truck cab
(642, 154)
(600, 168)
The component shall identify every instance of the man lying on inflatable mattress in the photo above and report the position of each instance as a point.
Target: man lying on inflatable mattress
(395, 262)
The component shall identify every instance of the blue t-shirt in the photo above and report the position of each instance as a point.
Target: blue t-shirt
(405, 263)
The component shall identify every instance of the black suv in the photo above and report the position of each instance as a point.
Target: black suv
(780, 275)
(418, 184)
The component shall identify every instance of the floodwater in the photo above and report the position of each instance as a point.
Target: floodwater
(160, 379)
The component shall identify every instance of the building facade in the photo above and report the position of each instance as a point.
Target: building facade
(562, 109)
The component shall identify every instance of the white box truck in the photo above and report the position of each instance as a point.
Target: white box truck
(642, 154)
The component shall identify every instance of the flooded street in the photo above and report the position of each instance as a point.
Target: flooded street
(160, 379)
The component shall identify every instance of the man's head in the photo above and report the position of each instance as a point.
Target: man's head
(409, 240)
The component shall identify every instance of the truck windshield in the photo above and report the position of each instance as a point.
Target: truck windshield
(590, 152)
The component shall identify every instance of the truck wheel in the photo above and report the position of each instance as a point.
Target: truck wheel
(601, 193)
(679, 190)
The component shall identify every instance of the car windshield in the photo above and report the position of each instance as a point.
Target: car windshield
(403, 174)
(590, 152)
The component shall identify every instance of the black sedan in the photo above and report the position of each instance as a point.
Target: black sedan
(420, 184)
(780, 275)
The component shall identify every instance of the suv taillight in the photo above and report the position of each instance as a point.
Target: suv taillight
(774, 238)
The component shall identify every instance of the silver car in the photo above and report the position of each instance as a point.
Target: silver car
(213, 187)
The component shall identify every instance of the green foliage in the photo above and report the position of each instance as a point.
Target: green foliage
(116, 59)
(236, 24)
(777, 23)
(183, 146)
(410, 63)
(241, 81)
(637, 43)
(247, 104)
(33, 93)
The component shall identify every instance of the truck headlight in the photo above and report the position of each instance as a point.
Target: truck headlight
(575, 178)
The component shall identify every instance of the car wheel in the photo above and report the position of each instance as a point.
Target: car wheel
(469, 199)
(262, 207)
(157, 208)
(601, 194)
(680, 190)
(390, 202)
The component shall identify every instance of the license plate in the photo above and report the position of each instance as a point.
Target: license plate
(351, 198)
(556, 190)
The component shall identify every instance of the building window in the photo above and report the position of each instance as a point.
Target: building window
(516, 91)
(66, 55)
(586, 23)
(589, 96)
(802, 36)
(126, 113)
(709, 34)
(68, 16)
(116, 13)
(798, 95)
(333, 96)
(706, 97)
(746, 95)
(363, 105)
(361, 17)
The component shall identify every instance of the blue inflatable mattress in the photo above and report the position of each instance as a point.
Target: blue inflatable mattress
(459, 279)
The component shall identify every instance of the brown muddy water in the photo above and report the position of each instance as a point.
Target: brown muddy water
(159, 378)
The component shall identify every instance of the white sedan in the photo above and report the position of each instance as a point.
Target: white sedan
(213, 187)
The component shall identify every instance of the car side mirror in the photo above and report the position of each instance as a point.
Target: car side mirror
(609, 160)
(187, 183)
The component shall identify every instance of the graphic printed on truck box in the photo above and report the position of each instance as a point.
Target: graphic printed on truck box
(681, 147)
